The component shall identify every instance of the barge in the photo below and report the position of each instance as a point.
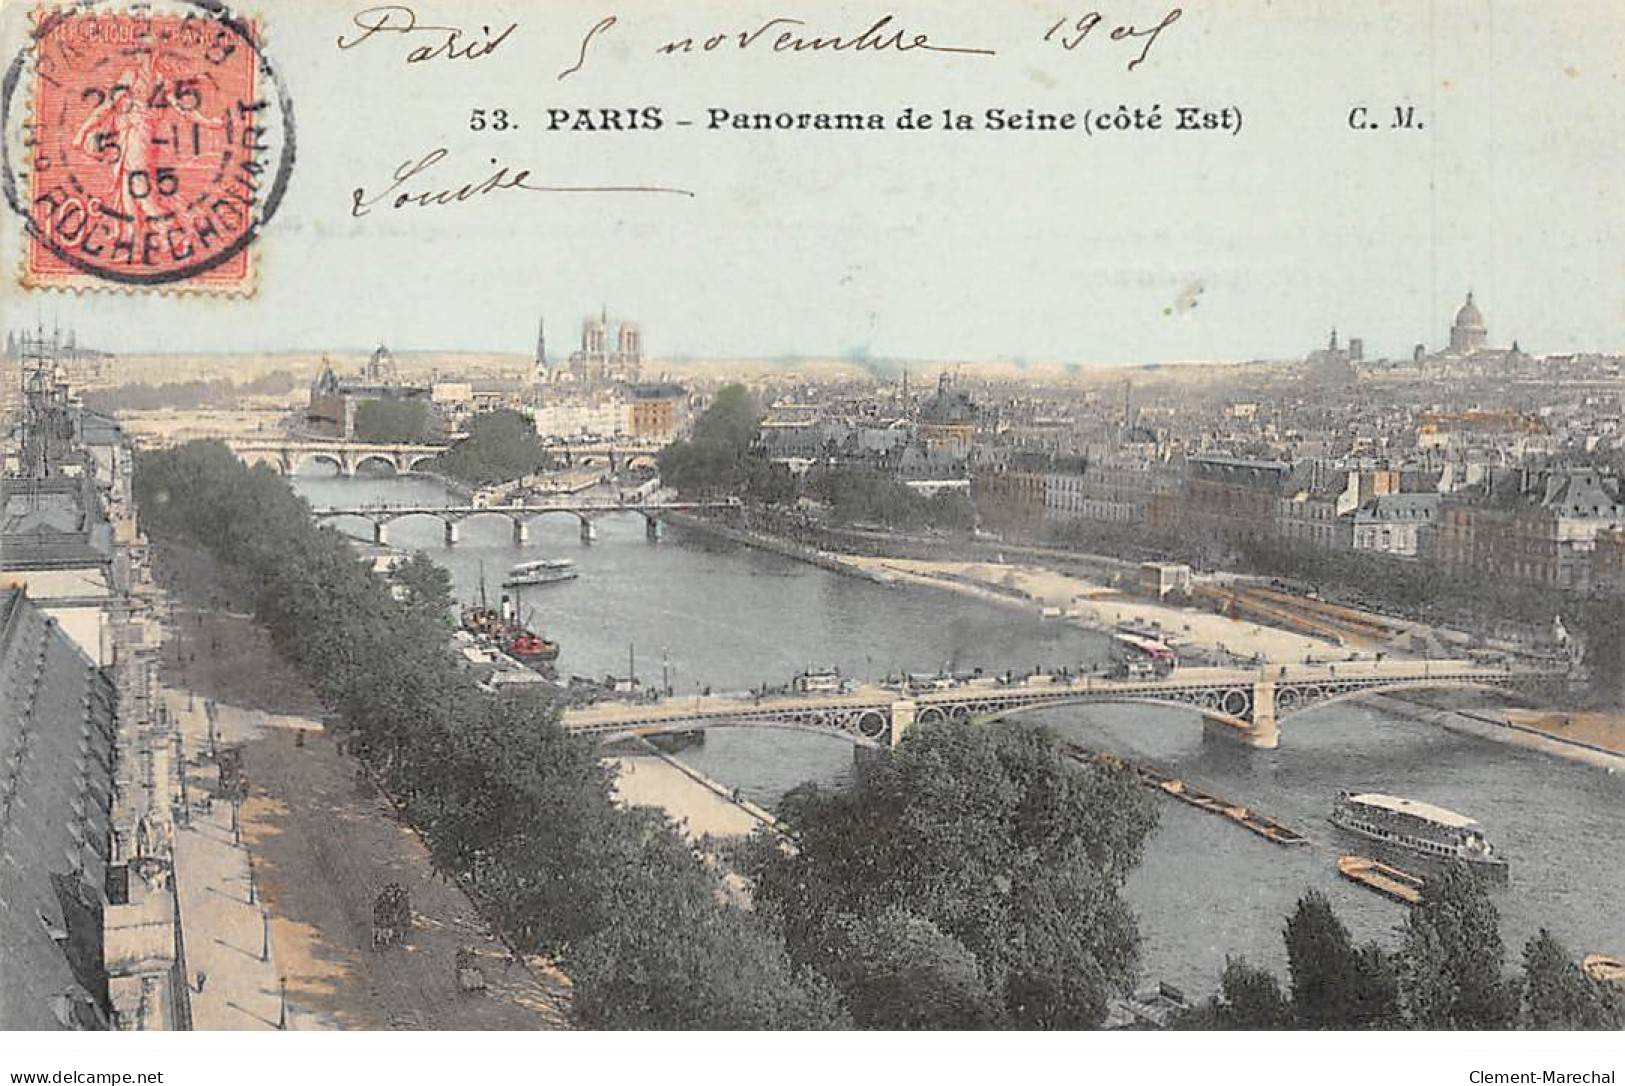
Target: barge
(1390, 882)
(1248, 819)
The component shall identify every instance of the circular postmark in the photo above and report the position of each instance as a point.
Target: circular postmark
(143, 147)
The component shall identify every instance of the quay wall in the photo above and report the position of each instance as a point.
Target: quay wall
(775, 544)
(1501, 730)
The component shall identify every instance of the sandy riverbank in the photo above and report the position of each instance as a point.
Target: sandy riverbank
(1511, 727)
(1034, 588)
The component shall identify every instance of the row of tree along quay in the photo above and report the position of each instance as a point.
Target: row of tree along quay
(972, 877)
(1448, 972)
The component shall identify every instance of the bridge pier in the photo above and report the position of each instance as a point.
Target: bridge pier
(652, 529)
(454, 531)
(378, 533)
(902, 719)
(521, 532)
(589, 531)
(1258, 729)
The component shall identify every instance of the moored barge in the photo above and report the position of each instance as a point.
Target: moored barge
(1390, 882)
(1248, 819)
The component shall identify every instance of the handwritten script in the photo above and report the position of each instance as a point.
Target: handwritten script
(409, 188)
(451, 42)
(784, 35)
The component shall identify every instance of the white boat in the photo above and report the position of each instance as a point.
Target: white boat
(1418, 827)
(541, 571)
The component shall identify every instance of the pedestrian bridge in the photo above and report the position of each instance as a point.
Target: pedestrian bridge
(288, 456)
(1246, 704)
(519, 515)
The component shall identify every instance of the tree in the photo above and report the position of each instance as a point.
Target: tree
(501, 445)
(1249, 998)
(721, 455)
(1335, 985)
(1450, 963)
(427, 586)
(512, 807)
(1555, 993)
(900, 971)
(993, 837)
(392, 420)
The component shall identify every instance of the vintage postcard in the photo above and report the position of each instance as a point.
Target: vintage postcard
(719, 516)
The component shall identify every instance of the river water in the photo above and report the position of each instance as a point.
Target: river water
(716, 614)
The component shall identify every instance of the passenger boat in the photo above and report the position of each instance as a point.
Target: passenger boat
(541, 571)
(1418, 827)
(1390, 882)
(817, 680)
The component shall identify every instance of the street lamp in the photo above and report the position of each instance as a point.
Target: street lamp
(265, 934)
(282, 1012)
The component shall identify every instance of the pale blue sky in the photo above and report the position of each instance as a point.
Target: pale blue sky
(1051, 247)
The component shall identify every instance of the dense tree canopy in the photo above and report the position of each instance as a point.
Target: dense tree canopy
(1445, 974)
(501, 445)
(720, 457)
(861, 495)
(512, 807)
(970, 877)
(392, 420)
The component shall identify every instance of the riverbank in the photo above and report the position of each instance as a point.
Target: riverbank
(1040, 591)
(801, 552)
(702, 806)
(1512, 727)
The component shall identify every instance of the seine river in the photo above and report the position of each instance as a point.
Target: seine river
(728, 617)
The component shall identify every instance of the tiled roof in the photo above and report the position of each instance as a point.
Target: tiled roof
(56, 738)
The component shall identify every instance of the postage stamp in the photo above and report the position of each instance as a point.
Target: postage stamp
(144, 148)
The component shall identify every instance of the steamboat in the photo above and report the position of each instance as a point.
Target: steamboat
(541, 571)
(1419, 828)
(500, 628)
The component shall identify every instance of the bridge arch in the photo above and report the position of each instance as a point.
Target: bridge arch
(376, 458)
(269, 457)
(1293, 701)
(833, 731)
(414, 461)
(305, 459)
(1206, 706)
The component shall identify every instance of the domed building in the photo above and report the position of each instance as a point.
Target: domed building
(1468, 333)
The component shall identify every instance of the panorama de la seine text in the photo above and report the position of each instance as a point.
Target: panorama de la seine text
(1104, 119)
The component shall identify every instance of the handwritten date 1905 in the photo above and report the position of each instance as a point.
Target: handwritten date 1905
(1070, 33)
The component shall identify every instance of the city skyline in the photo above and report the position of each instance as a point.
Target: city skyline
(1434, 340)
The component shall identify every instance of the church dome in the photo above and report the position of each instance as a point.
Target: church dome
(1468, 315)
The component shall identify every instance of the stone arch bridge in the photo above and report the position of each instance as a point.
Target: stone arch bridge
(1247, 705)
(289, 455)
(519, 515)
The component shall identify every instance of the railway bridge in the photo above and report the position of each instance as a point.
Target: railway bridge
(1244, 704)
(520, 515)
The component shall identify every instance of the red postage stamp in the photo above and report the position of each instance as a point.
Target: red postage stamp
(157, 145)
